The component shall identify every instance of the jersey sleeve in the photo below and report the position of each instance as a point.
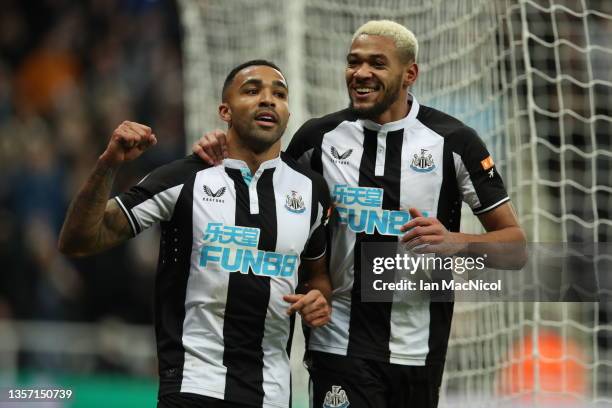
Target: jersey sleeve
(478, 180)
(316, 245)
(153, 199)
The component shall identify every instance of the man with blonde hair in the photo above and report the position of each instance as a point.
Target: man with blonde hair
(383, 154)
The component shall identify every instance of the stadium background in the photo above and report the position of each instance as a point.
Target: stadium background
(533, 77)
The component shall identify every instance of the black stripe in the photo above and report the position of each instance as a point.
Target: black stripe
(449, 214)
(247, 299)
(171, 288)
(449, 202)
(370, 323)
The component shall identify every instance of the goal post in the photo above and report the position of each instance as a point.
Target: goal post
(534, 78)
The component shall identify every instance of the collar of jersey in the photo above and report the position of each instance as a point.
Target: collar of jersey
(403, 123)
(239, 164)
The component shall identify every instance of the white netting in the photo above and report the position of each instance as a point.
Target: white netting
(534, 78)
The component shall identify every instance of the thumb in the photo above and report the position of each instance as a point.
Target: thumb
(297, 303)
(292, 298)
(414, 213)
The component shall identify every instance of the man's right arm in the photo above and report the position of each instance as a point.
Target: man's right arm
(93, 222)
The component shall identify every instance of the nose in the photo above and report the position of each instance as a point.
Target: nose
(266, 98)
(362, 71)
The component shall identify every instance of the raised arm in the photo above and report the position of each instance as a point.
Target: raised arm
(93, 222)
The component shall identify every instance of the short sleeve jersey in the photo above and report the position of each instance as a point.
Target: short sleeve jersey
(231, 245)
(428, 160)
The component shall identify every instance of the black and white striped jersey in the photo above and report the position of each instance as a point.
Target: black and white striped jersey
(230, 249)
(428, 160)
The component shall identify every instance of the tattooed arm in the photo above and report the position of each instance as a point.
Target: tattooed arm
(94, 223)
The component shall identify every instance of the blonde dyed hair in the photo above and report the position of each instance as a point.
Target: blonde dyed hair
(404, 39)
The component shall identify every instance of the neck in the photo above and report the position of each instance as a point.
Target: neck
(398, 109)
(236, 149)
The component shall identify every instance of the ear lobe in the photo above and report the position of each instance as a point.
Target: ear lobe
(225, 112)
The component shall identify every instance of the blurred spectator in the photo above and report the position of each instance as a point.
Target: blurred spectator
(70, 72)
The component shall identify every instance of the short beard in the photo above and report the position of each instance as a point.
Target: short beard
(248, 137)
(379, 108)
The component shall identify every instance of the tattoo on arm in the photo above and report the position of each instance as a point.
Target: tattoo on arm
(94, 223)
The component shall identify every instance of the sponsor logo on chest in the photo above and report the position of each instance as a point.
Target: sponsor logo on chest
(214, 196)
(340, 157)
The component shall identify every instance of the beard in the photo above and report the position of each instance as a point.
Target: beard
(389, 97)
(256, 139)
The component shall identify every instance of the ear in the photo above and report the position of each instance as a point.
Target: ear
(225, 112)
(410, 74)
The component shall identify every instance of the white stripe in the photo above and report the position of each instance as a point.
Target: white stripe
(292, 231)
(310, 391)
(468, 192)
(127, 214)
(410, 319)
(276, 369)
(318, 219)
(316, 224)
(206, 295)
(333, 337)
(381, 152)
(157, 208)
(497, 204)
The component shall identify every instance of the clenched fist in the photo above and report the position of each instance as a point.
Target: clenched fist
(128, 142)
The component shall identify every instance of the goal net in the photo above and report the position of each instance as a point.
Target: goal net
(534, 78)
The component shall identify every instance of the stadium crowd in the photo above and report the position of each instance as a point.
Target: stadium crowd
(70, 71)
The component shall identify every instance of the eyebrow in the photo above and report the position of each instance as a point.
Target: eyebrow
(371, 56)
(259, 82)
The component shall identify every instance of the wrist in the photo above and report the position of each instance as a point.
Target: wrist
(105, 161)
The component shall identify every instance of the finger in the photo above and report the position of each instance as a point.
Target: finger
(309, 317)
(129, 132)
(319, 322)
(414, 212)
(215, 148)
(416, 222)
(419, 244)
(127, 139)
(148, 141)
(141, 128)
(134, 127)
(314, 305)
(201, 153)
(421, 231)
(298, 303)
(292, 298)
(222, 143)
(296, 307)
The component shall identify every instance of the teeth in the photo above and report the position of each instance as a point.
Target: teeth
(364, 90)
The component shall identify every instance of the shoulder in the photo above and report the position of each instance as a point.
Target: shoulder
(317, 180)
(326, 123)
(176, 172)
(456, 134)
